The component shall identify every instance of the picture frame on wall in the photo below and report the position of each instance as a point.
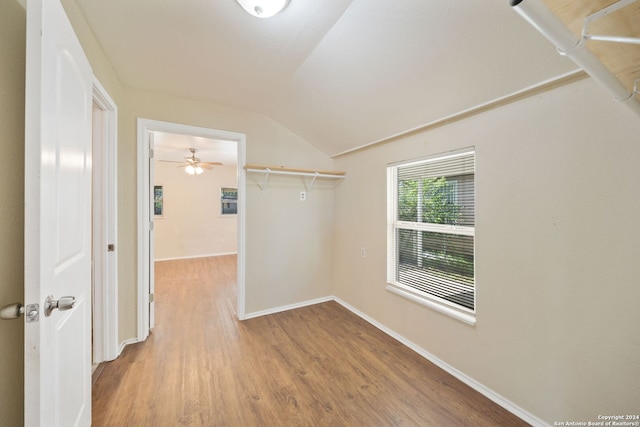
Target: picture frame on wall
(158, 200)
(228, 201)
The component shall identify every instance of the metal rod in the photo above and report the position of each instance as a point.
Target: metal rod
(314, 174)
(606, 11)
(615, 39)
(549, 25)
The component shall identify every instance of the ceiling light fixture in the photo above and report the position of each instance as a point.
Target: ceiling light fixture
(193, 165)
(193, 170)
(263, 8)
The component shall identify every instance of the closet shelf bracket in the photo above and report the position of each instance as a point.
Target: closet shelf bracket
(281, 170)
(607, 38)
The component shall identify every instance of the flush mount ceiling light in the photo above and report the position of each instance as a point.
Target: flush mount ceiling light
(263, 8)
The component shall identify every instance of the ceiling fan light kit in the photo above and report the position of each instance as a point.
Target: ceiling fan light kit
(193, 170)
(193, 165)
(263, 8)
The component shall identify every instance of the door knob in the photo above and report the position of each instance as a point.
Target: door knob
(11, 311)
(62, 304)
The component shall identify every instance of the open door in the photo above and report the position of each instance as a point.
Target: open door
(57, 221)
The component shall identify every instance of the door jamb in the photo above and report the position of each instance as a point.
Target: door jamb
(144, 127)
(105, 226)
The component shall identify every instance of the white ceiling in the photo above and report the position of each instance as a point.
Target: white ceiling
(340, 73)
(175, 148)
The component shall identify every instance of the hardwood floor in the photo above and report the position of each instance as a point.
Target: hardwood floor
(314, 366)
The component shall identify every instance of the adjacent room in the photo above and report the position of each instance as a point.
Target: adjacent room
(346, 212)
(195, 197)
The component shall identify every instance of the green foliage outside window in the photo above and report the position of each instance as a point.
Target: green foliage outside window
(439, 251)
(438, 201)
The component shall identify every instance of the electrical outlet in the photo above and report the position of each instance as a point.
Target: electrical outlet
(363, 252)
(303, 196)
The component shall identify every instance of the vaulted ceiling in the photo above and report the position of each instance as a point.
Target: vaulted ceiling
(339, 73)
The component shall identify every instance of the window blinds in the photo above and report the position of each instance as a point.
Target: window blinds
(432, 227)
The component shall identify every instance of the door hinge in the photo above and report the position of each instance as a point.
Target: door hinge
(150, 225)
(151, 297)
(151, 153)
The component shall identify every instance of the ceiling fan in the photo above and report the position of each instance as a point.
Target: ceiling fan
(193, 165)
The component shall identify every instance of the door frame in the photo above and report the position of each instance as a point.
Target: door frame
(105, 226)
(145, 126)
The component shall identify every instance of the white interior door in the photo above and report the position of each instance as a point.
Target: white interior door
(57, 221)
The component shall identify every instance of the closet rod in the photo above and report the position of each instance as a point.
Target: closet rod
(281, 170)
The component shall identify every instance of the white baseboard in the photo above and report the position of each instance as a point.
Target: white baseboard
(287, 307)
(196, 256)
(125, 343)
(490, 394)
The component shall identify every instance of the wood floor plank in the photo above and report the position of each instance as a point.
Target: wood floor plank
(315, 366)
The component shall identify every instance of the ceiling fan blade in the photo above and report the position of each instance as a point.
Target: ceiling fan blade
(211, 163)
(170, 161)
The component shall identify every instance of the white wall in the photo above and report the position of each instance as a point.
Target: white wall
(291, 240)
(557, 249)
(192, 225)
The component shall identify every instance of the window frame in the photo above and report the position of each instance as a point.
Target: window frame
(444, 306)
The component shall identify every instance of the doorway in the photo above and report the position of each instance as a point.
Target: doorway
(146, 130)
(195, 197)
(104, 227)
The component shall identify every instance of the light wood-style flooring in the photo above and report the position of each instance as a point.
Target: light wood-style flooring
(315, 366)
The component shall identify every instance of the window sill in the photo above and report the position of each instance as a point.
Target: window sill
(468, 318)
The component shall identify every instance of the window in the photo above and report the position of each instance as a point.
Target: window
(158, 200)
(431, 232)
(228, 201)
